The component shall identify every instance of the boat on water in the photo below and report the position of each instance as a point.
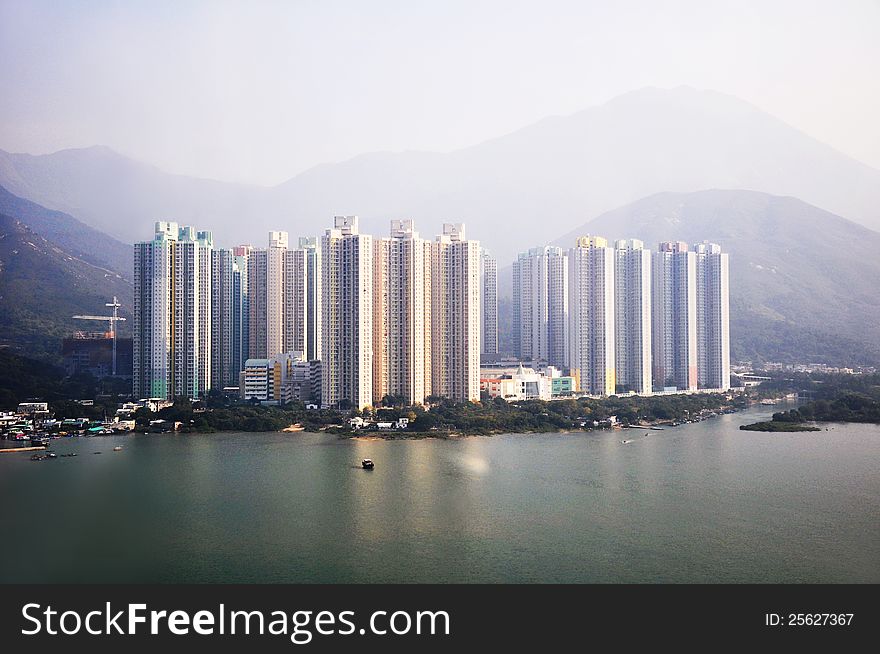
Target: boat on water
(118, 448)
(39, 441)
(367, 464)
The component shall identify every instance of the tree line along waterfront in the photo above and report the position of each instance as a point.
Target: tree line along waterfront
(824, 397)
(440, 418)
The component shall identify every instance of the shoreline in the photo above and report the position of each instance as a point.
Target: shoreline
(402, 435)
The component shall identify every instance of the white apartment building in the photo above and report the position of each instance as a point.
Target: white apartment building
(151, 325)
(224, 301)
(713, 316)
(240, 308)
(592, 358)
(347, 315)
(674, 317)
(632, 292)
(489, 307)
(455, 315)
(172, 337)
(295, 305)
(257, 279)
(540, 305)
(276, 257)
(282, 298)
(402, 315)
(381, 316)
(312, 252)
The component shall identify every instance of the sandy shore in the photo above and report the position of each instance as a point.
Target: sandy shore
(294, 427)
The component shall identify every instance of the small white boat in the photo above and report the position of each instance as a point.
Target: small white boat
(118, 448)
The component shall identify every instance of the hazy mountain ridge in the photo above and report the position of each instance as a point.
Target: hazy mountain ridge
(42, 286)
(120, 196)
(70, 234)
(510, 190)
(803, 281)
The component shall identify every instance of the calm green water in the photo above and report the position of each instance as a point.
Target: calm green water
(698, 503)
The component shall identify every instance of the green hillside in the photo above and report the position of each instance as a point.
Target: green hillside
(70, 234)
(42, 287)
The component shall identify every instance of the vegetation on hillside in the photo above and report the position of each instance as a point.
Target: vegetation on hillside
(757, 338)
(25, 379)
(70, 234)
(42, 287)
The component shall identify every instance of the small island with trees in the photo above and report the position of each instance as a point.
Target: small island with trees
(791, 420)
(830, 398)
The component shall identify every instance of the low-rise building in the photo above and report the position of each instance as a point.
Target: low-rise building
(34, 410)
(520, 383)
(27, 408)
(281, 379)
(154, 404)
(517, 384)
(562, 386)
(257, 381)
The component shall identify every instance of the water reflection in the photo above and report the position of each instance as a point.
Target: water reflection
(703, 502)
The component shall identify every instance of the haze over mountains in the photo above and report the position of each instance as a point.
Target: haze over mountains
(513, 191)
(66, 232)
(803, 278)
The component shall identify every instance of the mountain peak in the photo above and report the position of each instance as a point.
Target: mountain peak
(685, 98)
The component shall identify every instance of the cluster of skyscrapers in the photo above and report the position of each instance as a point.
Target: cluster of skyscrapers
(350, 319)
(344, 321)
(621, 318)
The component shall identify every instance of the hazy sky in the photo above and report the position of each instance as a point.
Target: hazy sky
(259, 91)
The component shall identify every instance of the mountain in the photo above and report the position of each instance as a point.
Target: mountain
(42, 286)
(511, 190)
(803, 281)
(67, 232)
(122, 197)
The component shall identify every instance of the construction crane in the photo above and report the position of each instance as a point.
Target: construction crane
(112, 320)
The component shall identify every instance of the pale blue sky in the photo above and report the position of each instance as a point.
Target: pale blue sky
(258, 91)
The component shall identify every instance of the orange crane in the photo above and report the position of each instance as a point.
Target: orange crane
(112, 320)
